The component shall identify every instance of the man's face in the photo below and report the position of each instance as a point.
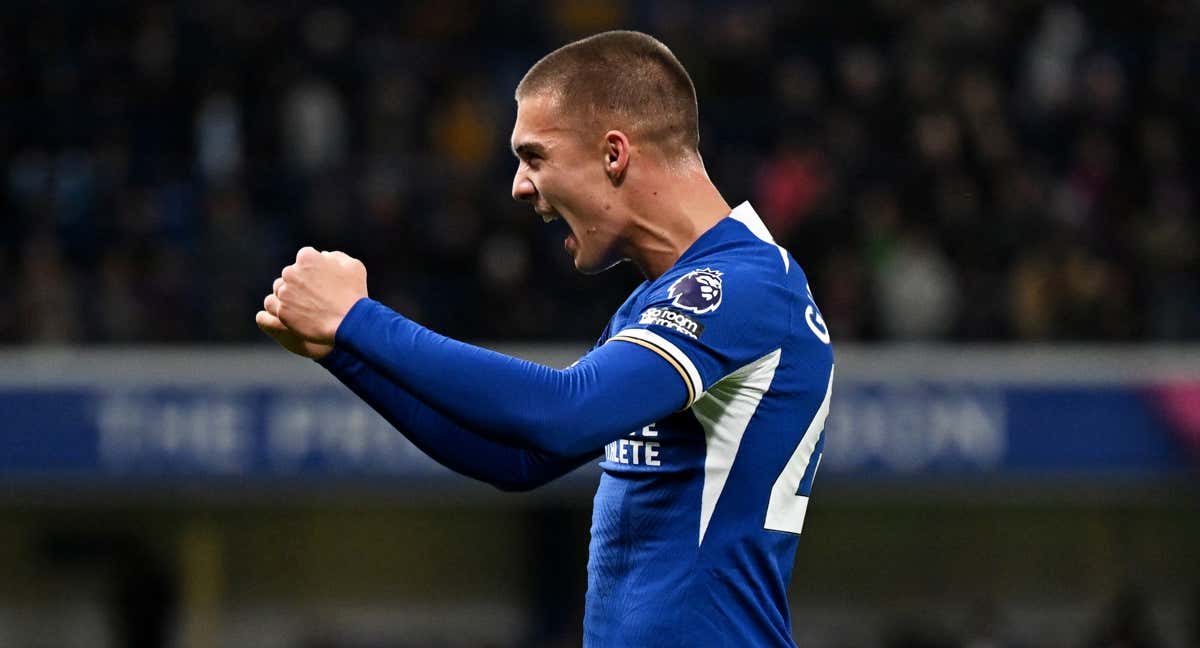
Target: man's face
(561, 172)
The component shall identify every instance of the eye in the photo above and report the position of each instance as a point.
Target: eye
(530, 154)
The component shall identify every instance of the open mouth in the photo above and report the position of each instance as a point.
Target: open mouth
(570, 243)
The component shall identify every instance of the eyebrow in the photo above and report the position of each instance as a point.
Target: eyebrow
(527, 149)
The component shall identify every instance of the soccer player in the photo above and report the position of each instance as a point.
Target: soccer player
(705, 397)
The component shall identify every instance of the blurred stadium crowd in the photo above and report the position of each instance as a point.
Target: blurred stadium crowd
(961, 170)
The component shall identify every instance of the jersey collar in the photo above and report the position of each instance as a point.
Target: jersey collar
(724, 229)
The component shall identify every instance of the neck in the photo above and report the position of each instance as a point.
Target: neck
(668, 218)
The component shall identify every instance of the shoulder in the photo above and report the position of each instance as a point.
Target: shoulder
(729, 278)
(626, 312)
(738, 295)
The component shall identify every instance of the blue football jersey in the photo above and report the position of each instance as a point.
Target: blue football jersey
(697, 516)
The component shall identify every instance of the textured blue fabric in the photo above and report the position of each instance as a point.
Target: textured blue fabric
(504, 466)
(560, 412)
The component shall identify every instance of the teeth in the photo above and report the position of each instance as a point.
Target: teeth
(548, 218)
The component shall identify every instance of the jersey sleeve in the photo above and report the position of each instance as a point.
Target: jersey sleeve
(708, 321)
(569, 412)
(444, 440)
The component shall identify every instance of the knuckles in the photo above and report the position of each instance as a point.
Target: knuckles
(310, 266)
(309, 258)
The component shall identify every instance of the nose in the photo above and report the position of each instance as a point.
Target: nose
(523, 188)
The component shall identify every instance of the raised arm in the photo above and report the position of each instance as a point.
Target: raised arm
(609, 393)
(450, 444)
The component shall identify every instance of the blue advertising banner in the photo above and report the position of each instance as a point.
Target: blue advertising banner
(313, 432)
(939, 428)
(201, 431)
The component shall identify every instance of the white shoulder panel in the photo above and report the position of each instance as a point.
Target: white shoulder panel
(723, 413)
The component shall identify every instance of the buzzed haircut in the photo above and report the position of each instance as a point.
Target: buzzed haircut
(625, 77)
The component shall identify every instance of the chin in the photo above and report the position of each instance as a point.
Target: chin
(591, 267)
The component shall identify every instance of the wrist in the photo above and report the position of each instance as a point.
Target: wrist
(323, 352)
(334, 359)
(346, 329)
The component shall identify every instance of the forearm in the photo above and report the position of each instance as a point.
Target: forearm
(609, 393)
(445, 441)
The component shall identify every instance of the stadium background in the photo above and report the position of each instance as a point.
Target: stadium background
(995, 202)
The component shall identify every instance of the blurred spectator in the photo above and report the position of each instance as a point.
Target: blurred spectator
(314, 126)
(219, 137)
(48, 294)
(790, 186)
(918, 292)
(955, 170)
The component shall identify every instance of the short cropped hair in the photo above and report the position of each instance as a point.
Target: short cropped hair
(623, 76)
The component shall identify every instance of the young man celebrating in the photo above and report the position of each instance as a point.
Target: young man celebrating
(706, 395)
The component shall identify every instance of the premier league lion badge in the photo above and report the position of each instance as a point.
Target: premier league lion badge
(698, 291)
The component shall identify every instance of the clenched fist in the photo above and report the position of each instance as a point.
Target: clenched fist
(316, 292)
(286, 337)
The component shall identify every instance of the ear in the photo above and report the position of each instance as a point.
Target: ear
(616, 155)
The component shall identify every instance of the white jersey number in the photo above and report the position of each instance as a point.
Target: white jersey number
(789, 495)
